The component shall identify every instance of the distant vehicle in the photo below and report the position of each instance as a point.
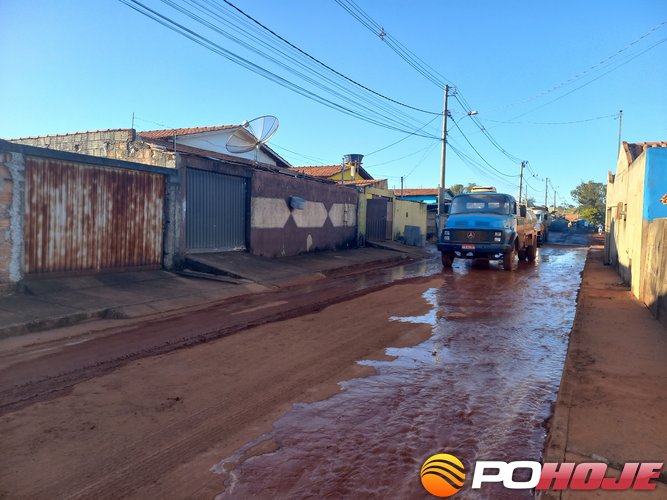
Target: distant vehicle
(483, 189)
(488, 225)
(544, 218)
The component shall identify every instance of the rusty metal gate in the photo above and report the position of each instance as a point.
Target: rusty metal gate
(82, 217)
(216, 208)
(379, 212)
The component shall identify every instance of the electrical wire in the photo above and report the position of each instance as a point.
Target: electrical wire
(205, 42)
(325, 65)
(478, 154)
(401, 140)
(614, 116)
(591, 69)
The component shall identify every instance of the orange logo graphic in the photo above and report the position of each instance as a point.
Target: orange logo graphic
(443, 475)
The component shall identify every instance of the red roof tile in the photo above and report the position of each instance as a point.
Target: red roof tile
(325, 171)
(366, 182)
(171, 132)
(634, 149)
(417, 192)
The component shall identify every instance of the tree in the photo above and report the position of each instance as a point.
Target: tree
(590, 195)
(456, 189)
(591, 214)
(530, 202)
(460, 188)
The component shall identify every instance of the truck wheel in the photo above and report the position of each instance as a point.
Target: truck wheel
(531, 253)
(447, 259)
(522, 255)
(508, 260)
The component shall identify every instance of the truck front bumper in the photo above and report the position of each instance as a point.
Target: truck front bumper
(480, 250)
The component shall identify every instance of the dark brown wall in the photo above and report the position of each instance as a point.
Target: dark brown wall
(290, 239)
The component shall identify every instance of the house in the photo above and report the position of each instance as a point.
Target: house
(636, 222)
(155, 147)
(429, 196)
(352, 175)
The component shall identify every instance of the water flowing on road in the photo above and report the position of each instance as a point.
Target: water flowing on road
(481, 388)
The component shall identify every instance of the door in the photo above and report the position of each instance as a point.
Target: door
(376, 219)
(216, 212)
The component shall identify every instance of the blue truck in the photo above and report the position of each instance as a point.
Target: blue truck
(488, 225)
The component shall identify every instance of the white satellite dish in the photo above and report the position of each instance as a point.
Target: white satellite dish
(252, 134)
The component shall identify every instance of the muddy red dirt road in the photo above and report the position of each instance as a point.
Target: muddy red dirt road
(185, 408)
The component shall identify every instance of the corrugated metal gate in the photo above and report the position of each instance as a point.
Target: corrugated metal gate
(378, 219)
(83, 217)
(215, 217)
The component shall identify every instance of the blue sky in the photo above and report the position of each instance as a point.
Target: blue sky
(78, 65)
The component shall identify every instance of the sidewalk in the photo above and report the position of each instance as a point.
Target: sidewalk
(612, 404)
(56, 302)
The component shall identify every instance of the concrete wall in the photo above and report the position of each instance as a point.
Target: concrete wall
(119, 144)
(625, 201)
(14, 212)
(12, 184)
(637, 226)
(409, 213)
(327, 221)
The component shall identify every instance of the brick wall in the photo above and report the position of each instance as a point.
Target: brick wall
(119, 144)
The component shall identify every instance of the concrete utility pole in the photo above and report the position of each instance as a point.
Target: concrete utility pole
(554, 200)
(441, 189)
(401, 185)
(523, 163)
(546, 193)
(342, 173)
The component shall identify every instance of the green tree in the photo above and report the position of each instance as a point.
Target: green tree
(591, 214)
(457, 188)
(590, 195)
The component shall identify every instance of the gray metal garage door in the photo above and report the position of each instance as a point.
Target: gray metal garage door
(215, 212)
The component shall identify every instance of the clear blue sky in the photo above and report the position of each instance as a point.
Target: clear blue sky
(81, 65)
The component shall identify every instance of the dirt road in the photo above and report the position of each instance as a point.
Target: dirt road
(133, 414)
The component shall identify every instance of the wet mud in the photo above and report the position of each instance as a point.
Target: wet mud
(481, 388)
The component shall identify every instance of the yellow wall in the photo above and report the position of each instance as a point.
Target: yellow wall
(626, 235)
(348, 175)
(409, 213)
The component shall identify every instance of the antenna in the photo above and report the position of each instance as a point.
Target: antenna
(252, 134)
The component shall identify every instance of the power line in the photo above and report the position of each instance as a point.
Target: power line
(632, 58)
(614, 116)
(412, 59)
(326, 65)
(478, 153)
(404, 138)
(593, 68)
(317, 80)
(205, 42)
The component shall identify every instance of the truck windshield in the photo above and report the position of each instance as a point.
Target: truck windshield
(480, 203)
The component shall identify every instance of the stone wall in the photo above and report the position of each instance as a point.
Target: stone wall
(118, 144)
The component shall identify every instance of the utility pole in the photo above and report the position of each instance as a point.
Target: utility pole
(521, 180)
(555, 200)
(401, 185)
(342, 173)
(620, 129)
(546, 193)
(441, 190)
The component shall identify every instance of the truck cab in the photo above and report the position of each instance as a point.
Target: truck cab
(488, 225)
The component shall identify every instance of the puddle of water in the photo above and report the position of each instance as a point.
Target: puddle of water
(480, 388)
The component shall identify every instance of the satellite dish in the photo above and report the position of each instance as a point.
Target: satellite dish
(252, 134)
